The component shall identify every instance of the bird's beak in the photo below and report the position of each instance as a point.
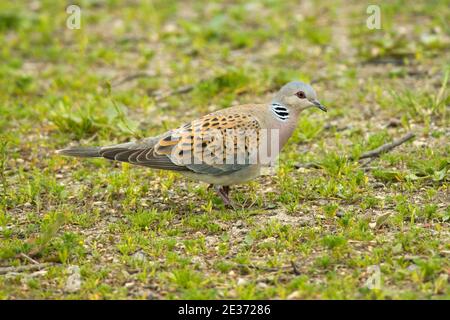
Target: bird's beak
(319, 105)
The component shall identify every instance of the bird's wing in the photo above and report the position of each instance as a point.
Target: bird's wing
(198, 146)
(211, 145)
(141, 153)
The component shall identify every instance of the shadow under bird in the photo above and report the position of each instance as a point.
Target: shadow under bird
(204, 149)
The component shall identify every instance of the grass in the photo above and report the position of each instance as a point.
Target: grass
(144, 234)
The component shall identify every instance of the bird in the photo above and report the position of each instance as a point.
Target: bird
(223, 148)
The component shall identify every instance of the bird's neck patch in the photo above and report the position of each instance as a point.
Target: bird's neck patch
(280, 111)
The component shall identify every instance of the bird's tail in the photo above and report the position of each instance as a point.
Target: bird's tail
(83, 152)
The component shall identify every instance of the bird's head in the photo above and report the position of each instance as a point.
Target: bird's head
(298, 95)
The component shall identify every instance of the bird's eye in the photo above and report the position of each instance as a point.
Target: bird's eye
(301, 95)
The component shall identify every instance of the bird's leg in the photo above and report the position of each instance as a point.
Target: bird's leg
(223, 192)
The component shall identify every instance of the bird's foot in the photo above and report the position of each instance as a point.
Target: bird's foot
(223, 192)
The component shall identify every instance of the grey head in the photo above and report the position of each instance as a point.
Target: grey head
(297, 94)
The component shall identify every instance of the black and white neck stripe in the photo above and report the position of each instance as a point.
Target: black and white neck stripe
(280, 111)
